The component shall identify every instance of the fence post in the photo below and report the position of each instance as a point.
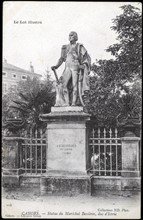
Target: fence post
(11, 161)
(130, 155)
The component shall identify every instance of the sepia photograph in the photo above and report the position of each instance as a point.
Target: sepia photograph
(71, 110)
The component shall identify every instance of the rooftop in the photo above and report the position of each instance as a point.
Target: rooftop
(18, 69)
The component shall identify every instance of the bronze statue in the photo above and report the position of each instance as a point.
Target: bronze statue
(74, 83)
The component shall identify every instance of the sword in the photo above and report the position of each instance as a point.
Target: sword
(79, 90)
(56, 76)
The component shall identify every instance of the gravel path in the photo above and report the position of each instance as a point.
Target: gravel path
(28, 203)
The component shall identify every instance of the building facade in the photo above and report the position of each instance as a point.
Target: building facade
(11, 75)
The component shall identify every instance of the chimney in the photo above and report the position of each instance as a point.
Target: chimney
(31, 68)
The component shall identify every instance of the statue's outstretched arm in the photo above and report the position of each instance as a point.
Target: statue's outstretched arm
(60, 61)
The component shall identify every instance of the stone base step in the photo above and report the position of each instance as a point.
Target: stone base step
(69, 186)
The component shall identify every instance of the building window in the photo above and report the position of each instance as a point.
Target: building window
(14, 76)
(4, 74)
(4, 87)
(23, 77)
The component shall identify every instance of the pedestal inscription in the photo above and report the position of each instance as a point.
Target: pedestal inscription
(66, 147)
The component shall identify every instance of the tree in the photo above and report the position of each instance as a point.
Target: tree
(33, 97)
(128, 52)
(104, 101)
(115, 81)
(8, 112)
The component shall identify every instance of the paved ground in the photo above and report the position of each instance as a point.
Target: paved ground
(28, 203)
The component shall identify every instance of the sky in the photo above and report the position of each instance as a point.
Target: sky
(41, 43)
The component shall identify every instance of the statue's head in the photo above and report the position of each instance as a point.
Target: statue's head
(73, 36)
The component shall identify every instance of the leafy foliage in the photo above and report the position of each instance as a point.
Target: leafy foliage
(33, 97)
(8, 112)
(115, 84)
(128, 52)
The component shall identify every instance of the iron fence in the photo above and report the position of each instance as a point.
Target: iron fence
(105, 152)
(33, 152)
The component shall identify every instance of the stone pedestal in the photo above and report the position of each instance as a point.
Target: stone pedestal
(10, 158)
(67, 151)
(130, 156)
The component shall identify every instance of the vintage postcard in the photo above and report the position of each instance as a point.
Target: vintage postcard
(71, 110)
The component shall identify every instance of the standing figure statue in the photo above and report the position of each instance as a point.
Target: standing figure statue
(74, 82)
